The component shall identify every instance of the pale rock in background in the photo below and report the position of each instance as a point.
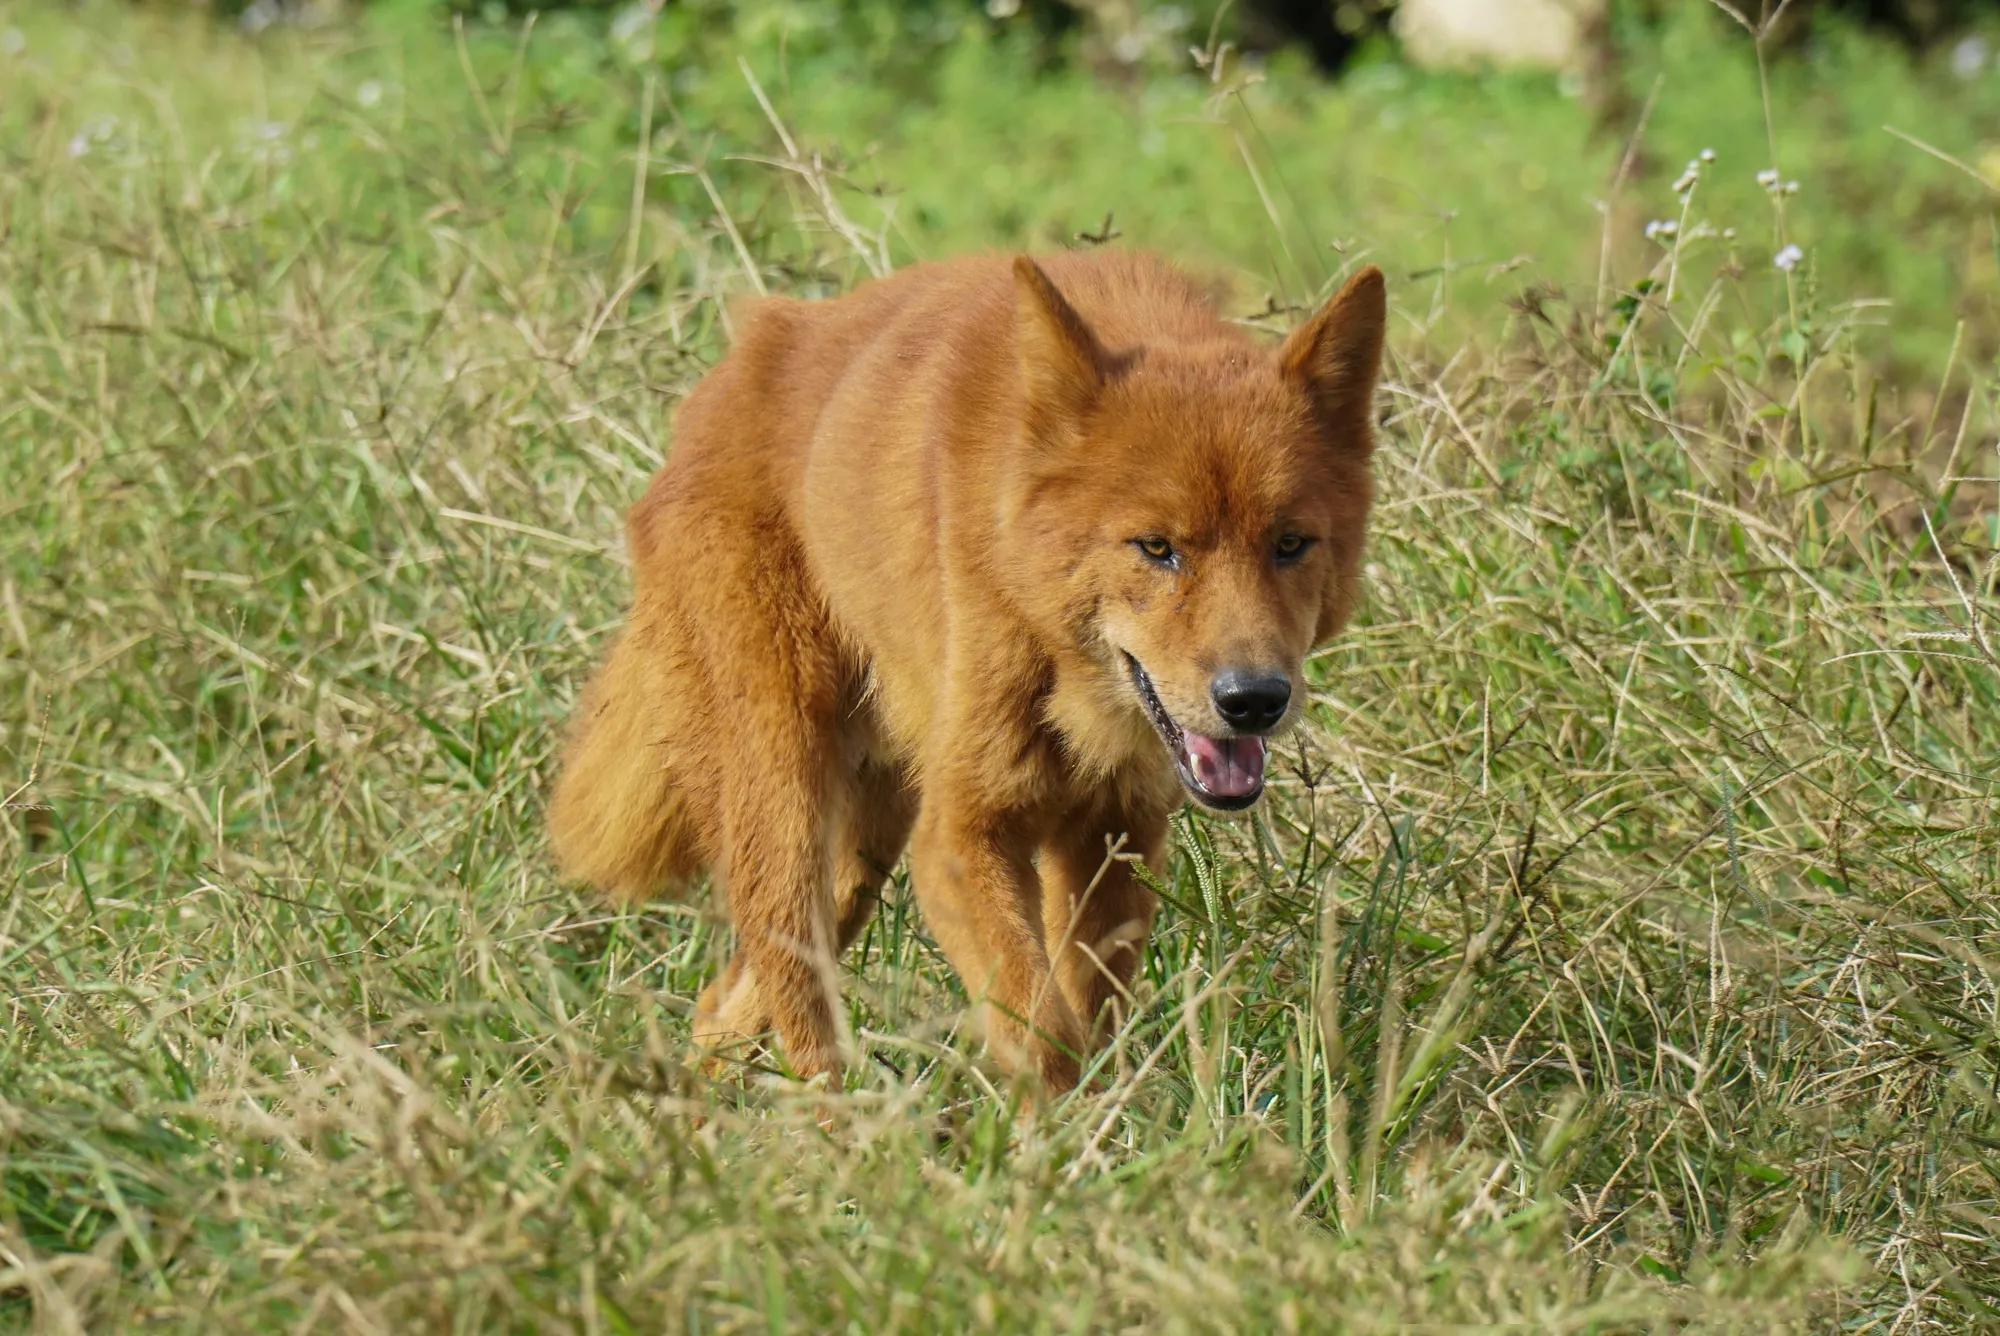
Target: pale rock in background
(1536, 34)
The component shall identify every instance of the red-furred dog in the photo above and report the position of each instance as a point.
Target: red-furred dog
(1015, 556)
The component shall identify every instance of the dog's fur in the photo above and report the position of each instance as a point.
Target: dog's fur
(959, 555)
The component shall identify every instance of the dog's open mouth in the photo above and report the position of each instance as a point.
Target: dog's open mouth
(1223, 773)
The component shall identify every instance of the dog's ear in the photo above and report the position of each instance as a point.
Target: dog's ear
(1337, 355)
(1062, 365)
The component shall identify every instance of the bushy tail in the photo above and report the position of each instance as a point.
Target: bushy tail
(618, 820)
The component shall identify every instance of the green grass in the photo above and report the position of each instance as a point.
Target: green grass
(1618, 952)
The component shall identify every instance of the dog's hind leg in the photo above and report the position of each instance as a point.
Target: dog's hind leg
(871, 811)
(873, 829)
(1097, 914)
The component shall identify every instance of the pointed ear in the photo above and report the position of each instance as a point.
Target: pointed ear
(1062, 366)
(1337, 356)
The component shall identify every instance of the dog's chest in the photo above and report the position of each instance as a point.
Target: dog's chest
(1105, 742)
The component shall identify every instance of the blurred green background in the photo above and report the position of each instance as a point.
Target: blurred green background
(1222, 133)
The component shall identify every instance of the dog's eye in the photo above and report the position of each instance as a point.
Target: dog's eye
(1292, 546)
(1157, 550)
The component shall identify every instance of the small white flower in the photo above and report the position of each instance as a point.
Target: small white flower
(1968, 58)
(1708, 155)
(1788, 258)
(1686, 180)
(1768, 178)
(1002, 9)
(270, 130)
(1729, 234)
(13, 41)
(369, 94)
(97, 130)
(1791, 187)
(1661, 228)
(634, 30)
(259, 16)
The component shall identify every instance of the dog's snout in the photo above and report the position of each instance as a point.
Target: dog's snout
(1250, 701)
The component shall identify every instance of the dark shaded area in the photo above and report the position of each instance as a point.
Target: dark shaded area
(1331, 32)
(1915, 21)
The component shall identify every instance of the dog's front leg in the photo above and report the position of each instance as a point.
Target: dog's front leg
(975, 880)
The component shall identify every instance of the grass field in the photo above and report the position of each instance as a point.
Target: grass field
(1620, 948)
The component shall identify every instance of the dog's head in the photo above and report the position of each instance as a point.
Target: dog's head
(1201, 508)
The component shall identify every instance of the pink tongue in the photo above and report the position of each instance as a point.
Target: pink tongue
(1226, 767)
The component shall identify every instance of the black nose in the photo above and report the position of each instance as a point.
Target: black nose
(1250, 701)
